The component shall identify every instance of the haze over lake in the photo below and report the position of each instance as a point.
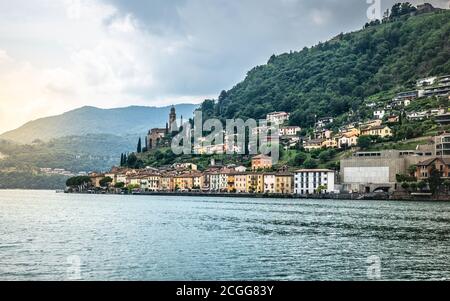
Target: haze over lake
(44, 235)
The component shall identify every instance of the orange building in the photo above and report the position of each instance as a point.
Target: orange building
(261, 162)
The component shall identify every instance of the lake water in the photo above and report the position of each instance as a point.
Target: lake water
(49, 236)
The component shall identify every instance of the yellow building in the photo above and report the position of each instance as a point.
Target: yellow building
(330, 143)
(188, 181)
(240, 182)
(284, 183)
(151, 182)
(183, 182)
(231, 183)
(261, 162)
(113, 177)
(313, 144)
(255, 183)
(381, 131)
(347, 140)
(135, 180)
(96, 178)
(167, 183)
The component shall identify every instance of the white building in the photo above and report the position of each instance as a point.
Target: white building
(218, 181)
(324, 122)
(240, 168)
(290, 130)
(308, 181)
(269, 183)
(379, 114)
(278, 117)
(426, 81)
(150, 182)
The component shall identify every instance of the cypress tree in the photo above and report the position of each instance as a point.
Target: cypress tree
(139, 146)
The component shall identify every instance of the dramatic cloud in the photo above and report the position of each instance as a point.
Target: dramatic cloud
(58, 55)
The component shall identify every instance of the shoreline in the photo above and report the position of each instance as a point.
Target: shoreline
(348, 197)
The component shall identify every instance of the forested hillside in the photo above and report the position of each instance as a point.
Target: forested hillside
(336, 77)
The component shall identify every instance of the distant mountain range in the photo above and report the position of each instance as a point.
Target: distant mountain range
(135, 120)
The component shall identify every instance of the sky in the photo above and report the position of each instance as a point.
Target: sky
(58, 55)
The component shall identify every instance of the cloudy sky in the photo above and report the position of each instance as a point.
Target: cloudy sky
(57, 55)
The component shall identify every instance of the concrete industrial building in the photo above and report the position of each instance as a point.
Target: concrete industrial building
(366, 172)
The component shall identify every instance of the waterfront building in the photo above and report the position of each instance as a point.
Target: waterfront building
(218, 181)
(372, 171)
(122, 178)
(255, 183)
(96, 178)
(269, 181)
(231, 182)
(135, 180)
(113, 176)
(240, 182)
(284, 183)
(314, 181)
(151, 182)
(261, 162)
(167, 183)
(197, 179)
(183, 182)
(424, 168)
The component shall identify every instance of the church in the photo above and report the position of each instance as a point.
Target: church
(156, 137)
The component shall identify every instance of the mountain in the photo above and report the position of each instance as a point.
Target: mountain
(74, 153)
(338, 76)
(134, 120)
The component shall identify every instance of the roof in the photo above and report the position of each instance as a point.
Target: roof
(278, 113)
(379, 127)
(262, 157)
(314, 170)
(430, 161)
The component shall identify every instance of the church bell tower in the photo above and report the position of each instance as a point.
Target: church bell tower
(173, 119)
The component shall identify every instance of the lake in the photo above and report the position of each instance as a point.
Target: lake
(50, 236)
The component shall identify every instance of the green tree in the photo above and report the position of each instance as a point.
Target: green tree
(447, 185)
(364, 142)
(139, 146)
(435, 180)
(412, 169)
(78, 181)
(310, 164)
(421, 185)
(405, 185)
(119, 185)
(105, 182)
(300, 158)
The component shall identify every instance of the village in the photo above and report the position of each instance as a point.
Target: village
(389, 172)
